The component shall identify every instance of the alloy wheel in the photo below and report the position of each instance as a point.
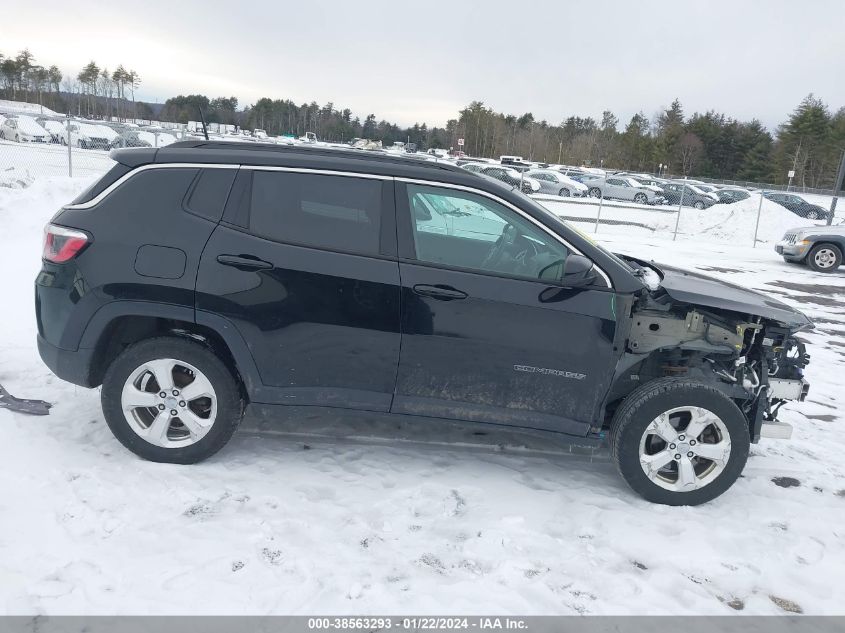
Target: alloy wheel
(169, 403)
(685, 448)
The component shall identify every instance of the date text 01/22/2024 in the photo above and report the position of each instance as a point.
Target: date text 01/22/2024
(417, 624)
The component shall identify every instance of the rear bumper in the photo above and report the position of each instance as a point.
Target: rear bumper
(71, 366)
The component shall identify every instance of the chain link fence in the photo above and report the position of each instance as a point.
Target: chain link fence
(34, 146)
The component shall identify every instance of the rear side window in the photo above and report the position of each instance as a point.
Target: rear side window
(208, 193)
(96, 187)
(334, 212)
(158, 191)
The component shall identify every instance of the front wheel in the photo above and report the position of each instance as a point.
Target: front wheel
(812, 215)
(563, 193)
(699, 205)
(679, 442)
(171, 400)
(824, 258)
(594, 192)
(641, 198)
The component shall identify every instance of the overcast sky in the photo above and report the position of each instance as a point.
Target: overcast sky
(424, 60)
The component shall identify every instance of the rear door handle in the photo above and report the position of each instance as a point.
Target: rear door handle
(444, 293)
(244, 262)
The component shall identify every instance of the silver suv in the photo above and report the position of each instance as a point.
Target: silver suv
(820, 247)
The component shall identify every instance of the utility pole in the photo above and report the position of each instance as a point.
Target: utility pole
(837, 187)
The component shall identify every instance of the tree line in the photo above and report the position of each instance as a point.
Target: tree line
(712, 144)
(709, 145)
(94, 92)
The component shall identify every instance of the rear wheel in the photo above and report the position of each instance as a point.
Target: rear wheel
(171, 400)
(824, 258)
(563, 193)
(641, 198)
(812, 214)
(679, 442)
(699, 205)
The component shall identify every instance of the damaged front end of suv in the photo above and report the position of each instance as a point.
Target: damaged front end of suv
(739, 341)
(705, 367)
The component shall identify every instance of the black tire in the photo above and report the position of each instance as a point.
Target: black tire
(644, 405)
(594, 192)
(812, 214)
(230, 404)
(641, 198)
(563, 193)
(824, 258)
(699, 205)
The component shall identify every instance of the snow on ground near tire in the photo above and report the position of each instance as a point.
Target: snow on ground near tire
(330, 519)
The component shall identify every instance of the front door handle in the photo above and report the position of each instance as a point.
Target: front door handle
(444, 293)
(244, 262)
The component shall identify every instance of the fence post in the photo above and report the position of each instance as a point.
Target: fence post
(757, 225)
(840, 176)
(69, 151)
(598, 217)
(680, 204)
(156, 138)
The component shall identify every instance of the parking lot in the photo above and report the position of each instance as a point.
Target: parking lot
(316, 514)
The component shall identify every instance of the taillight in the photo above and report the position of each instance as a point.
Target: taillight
(61, 244)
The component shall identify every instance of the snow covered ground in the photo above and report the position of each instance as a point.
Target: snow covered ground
(316, 514)
(727, 223)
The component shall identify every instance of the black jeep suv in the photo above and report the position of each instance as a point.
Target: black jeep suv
(201, 279)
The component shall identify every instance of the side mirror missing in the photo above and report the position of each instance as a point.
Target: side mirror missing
(576, 271)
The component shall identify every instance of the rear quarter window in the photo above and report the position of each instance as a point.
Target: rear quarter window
(153, 191)
(208, 193)
(98, 186)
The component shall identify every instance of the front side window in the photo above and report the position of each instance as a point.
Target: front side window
(466, 230)
(335, 212)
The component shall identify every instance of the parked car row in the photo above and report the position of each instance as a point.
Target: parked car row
(81, 134)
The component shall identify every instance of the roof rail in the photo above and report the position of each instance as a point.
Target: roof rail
(353, 154)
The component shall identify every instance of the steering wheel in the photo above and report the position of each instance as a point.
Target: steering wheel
(511, 251)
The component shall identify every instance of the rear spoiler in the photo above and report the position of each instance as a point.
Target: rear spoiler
(133, 156)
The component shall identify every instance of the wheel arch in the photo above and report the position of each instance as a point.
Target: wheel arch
(833, 240)
(121, 324)
(636, 370)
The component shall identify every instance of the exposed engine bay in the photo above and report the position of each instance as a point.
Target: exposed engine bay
(758, 362)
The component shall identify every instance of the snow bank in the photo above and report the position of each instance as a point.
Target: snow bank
(721, 222)
(22, 107)
(15, 179)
